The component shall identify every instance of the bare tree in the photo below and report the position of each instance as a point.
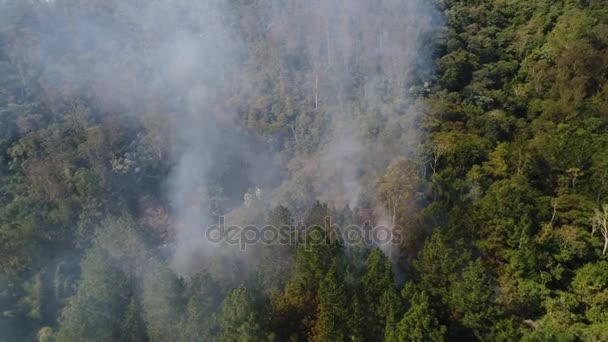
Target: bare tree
(440, 145)
(600, 223)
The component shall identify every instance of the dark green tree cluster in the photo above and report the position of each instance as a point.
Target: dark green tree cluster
(516, 146)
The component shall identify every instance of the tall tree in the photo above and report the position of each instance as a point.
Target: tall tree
(238, 318)
(332, 310)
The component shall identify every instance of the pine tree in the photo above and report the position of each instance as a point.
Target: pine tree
(473, 297)
(419, 322)
(238, 318)
(377, 280)
(332, 310)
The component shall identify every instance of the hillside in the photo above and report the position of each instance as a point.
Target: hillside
(424, 170)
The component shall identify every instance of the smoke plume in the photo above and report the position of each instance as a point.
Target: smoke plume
(184, 62)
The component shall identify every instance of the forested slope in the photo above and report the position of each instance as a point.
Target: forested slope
(478, 129)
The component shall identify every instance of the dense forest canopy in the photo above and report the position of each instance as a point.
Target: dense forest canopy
(473, 133)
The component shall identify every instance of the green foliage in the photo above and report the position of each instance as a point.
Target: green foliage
(378, 285)
(591, 287)
(204, 298)
(419, 322)
(473, 299)
(94, 312)
(238, 319)
(437, 266)
(296, 307)
(162, 301)
(508, 216)
(332, 313)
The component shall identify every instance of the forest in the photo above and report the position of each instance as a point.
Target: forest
(474, 133)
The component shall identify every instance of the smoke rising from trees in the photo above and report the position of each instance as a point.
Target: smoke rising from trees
(185, 60)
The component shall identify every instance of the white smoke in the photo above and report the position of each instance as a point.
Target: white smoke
(363, 58)
(184, 60)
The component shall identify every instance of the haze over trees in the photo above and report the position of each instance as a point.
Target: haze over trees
(476, 130)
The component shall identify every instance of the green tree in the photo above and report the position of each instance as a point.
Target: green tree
(436, 268)
(472, 298)
(200, 317)
(295, 308)
(162, 301)
(376, 283)
(332, 310)
(419, 322)
(238, 318)
(508, 214)
(95, 312)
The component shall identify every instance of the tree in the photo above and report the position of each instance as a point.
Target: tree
(238, 318)
(376, 282)
(332, 311)
(508, 212)
(204, 297)
(419, 322)
(590, 284)
(95, 312)
(276, 259)
(457, 69)
(162, 301)
(441, 144)
(295, 308)
(396, 189)
(133, 326)
(106, 290)
(472, 298)
(436, 268)
(600, 224)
